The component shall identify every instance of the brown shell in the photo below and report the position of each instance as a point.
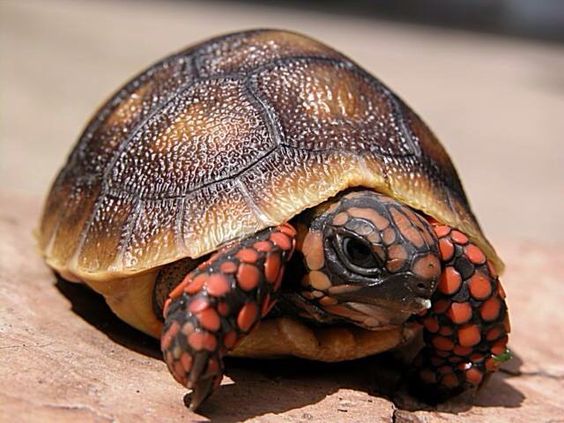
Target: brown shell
(231, 136)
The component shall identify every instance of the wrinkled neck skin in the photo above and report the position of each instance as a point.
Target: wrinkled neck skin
(363, 258)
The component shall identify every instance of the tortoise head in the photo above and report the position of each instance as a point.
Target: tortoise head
(370, 260)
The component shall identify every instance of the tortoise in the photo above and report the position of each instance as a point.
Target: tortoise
(263, 176)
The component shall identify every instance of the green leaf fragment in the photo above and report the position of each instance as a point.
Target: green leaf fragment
(503, 357)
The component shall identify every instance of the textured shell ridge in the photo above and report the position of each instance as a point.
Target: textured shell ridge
(230, 136)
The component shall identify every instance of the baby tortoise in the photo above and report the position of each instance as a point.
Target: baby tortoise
(264, 176)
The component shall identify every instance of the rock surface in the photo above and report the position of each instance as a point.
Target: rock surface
(496, 104)
(65, 357)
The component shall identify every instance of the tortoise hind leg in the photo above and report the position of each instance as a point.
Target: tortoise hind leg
(218, 303)
(466, 329)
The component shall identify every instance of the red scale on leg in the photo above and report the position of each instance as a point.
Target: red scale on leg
(228, 267)
(167, 337)
(492, 365)
(177, 292)
(462, 351)
(428, 377)
(446, 331)
(458, 237)
(493, 334)
(247, 316)
(469, 336)
(474, 376)
(288, 230)
(186, 362)
(248, 255)
(460, 312)
(272, 267)
(441, 306)
(446, 248)
(198, 304)
(263, 246)
(431, 323)
(475, 255)
(450, 381)
(217, 285)
(490, 309)
(195, 285)
(442, 344)
(480, 286)
(202, 341)
(166, 305)
(248, 276)
(472, 310)
(209, 319)
(477, 357)
(179, 373)
(281, 240)
(218, 303)
(499, 346)
(442, 230)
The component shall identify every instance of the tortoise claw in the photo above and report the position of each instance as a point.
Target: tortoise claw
(201, 390)
(203, 383)
(196, 373)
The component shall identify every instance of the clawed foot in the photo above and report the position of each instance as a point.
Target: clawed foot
(218, 303)
(466, 329)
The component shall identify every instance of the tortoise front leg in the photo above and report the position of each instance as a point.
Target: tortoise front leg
(220, 302)
(466, 329)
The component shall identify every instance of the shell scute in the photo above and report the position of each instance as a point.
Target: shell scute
(231, 136)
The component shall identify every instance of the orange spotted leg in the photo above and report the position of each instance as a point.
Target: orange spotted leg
(220, 302)
(466, 329)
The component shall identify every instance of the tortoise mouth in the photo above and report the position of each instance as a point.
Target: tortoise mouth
(412, 305)
(395, 296)
(381, 314)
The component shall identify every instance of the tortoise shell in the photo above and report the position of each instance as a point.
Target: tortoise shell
(231, 136)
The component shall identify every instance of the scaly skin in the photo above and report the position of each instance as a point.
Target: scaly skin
(467, 328)
(218, 303)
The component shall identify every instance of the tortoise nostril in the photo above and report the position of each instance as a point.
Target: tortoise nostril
(421, 288)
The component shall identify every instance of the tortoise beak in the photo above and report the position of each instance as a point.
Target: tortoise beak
(383, 314)
(406, 306)
(425, 304)
(400, 293)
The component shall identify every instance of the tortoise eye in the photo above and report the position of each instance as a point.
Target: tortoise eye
(358, 253)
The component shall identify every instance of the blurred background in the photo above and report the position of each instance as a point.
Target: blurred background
(486, 75)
